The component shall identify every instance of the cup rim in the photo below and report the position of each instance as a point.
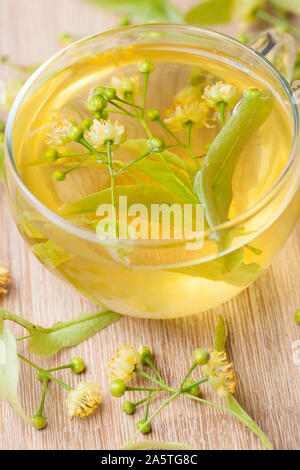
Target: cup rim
(90, 236)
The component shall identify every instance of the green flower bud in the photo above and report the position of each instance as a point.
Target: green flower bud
(156, 144)
(297, 317)
(117, 388)
(75, 133)
(146, 354)
(59, 175)
(123, 21)
(86, 124)
(96, 103)
(98, 90)
(195, 390)
(77, 365)
(128, 407)
(152, 114)
(146, 66)
(109, 94)
(251, 92)
(38, 422)
(146, 429)
(201, 356)
(42, 377)
(51, 155)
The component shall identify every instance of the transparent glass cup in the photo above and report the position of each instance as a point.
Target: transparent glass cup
(160, 278)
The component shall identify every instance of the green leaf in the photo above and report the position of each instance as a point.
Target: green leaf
(139, 193)
(215, 270)
(50, 254)
(220, 336)
(210, 12)
(158, 445)
(173, 179)
(9, 372)
(244, 418)
(213, 183)
(1, 161)
(144, 10)
(46, 342)
(288, 5)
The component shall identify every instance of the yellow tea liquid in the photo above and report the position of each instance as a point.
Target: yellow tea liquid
(148, 280)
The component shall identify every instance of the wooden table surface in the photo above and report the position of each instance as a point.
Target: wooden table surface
(260, 321)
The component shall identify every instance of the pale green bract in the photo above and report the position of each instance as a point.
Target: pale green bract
(210, 12)
(288, 5)
(232, 404)
(9, 372)
(48, 341)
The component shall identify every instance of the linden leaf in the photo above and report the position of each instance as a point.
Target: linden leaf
(210, 12)
(157, 446)
(139, 193)
(50, 254)
(220, 336)
(244, 418)
(1, 160)
(48, 341)
(9, 372)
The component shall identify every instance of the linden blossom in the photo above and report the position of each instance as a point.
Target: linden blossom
(166, 221)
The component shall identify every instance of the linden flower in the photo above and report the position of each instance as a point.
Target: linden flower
(123, 364)
(4, 279)
(59, 130)
(243, 10)
(84, 399)
(221, 374)
(125, 85)
(220, 93)
(103, 131)
(194, 111)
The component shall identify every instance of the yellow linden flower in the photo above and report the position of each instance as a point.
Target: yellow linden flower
(12, 88)
(194, 111)
(221, 93)
(125, 85)
(123, 364)
(102, 131)
(84, 399)
(221, 373)
(59, 129)
(243, 10)
(4, 279)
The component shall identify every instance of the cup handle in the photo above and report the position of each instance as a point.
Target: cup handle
(279, 48)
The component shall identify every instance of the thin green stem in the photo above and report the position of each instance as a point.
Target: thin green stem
(147, 376)
(171, 398)
(54, 369)
(147, 407)
(150, 364)
(51, 377)
(146, 82)
(41, 408)
(84, 142)
(188, 374)
(22, 338)
(76, 166)
(263, 15)
(123, 109)
(222, 106)
(112, 173)
(129, 103)
(162, 124)
(143, 389)
(133, 162)
(116, 112)
(198, 382)
(189, 133)
(137, 403)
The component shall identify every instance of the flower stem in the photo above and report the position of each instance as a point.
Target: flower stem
(146, 81)
(263, 15)
(133, 162)
(147, 407)
(143, 389)
(41, 408)
(187, 375)
(222, 106)
(112, 173)
(150, 364)
(43, 371)
(84, 142)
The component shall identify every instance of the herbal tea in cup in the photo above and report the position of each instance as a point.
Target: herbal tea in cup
(153, 168)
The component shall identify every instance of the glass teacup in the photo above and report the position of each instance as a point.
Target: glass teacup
(158, 278)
